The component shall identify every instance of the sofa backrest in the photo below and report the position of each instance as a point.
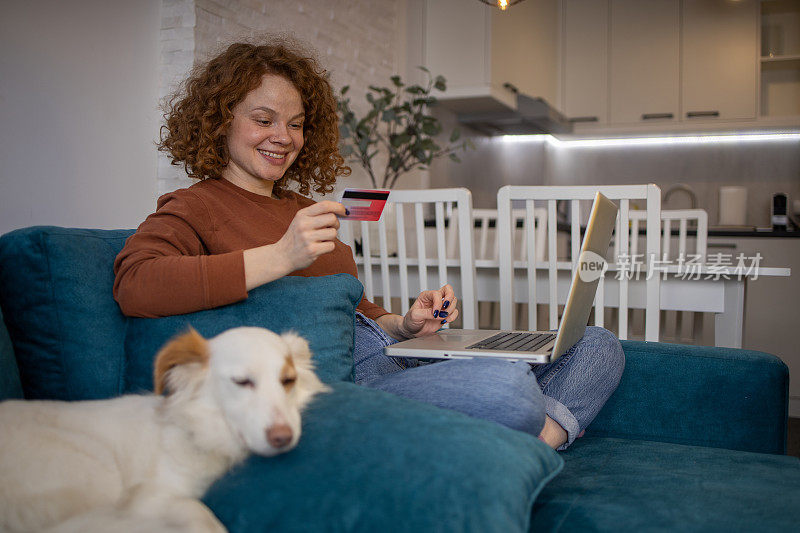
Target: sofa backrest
(71, 341)
(66, 328)
(10, 386)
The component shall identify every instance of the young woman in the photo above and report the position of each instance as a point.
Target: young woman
(251, 123)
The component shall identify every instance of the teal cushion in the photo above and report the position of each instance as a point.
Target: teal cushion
(10, 386)
(320, 309)
(72, 342)
(371, 461)
(66, 328)
(626, 485)
(698, 395)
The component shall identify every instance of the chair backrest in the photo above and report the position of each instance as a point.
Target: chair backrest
(485, 244)
(418, 249)
(668, 216)
(549, 196)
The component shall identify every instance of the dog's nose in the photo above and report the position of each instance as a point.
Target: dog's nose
(279, 435)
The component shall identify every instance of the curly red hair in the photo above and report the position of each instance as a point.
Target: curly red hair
(198, 115)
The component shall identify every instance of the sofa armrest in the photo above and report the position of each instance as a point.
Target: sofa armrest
(698, 395)
(10, 386)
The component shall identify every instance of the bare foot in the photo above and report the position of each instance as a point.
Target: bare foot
(552, 433)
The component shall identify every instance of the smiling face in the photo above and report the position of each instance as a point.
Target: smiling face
(266, 135)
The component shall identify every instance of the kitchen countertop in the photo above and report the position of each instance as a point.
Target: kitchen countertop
(745, 232)
(717, 231)
(713, 231)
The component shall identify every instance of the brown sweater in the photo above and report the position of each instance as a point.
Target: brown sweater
(188, 255)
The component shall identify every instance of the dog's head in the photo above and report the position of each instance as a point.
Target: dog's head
(259, 381)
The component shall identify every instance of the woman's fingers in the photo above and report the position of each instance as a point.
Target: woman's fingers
(312, 233)
(325, 207)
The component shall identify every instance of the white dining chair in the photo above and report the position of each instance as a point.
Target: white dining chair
(486, 248)
(420, 260)
(536, 196)
(684, 217)
(486, 245)
(678, 326)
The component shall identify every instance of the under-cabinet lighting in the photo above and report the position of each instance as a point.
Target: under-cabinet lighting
(655, 141)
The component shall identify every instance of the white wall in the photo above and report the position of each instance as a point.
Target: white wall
(78, 112)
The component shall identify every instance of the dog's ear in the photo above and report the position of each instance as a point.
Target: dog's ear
(298, 347)
(187, 348)
(308, 382)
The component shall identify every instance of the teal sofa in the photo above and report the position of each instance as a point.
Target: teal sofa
(692, 440)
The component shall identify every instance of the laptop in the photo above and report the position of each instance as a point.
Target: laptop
(536, 346)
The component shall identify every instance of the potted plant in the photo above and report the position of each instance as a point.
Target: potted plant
(397, 125)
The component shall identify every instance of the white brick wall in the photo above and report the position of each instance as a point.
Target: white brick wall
(177, 44)
(355, 40)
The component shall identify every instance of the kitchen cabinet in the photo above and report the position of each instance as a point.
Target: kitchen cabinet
(770, 310)
(719, 60)
(486, 54)
(585, 66)
(780, 58)
(644, 57)
(679, 65)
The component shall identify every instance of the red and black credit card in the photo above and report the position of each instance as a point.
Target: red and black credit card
(364, 204)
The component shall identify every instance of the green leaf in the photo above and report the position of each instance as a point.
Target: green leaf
(455, 158)
(431, 128)
(345, 89)
(395, 162)
(423, 69)
(346, 150)
(415, 89)
(428, 144)
(396, 81)
(424, 101)
(389, 116)
(399, 139)
(440, 83)
(362, 130)
(455, 135)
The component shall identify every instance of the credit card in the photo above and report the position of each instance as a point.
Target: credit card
(364, 204)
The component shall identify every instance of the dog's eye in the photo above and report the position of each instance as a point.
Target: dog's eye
(244, 382)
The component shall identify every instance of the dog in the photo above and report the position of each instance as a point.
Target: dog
(140, 462)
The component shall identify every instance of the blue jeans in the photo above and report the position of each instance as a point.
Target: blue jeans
(571, 390)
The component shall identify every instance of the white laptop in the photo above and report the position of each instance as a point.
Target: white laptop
(536, 346)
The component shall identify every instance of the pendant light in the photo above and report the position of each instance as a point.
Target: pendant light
(502, 4)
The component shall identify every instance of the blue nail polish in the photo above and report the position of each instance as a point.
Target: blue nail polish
(444, 321)
(443, 314)
(346, 211)
(435, 313)
(446, 304)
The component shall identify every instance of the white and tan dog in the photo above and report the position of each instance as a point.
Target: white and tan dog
(140, 462)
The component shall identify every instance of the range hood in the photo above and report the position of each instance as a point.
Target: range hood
(516, 114)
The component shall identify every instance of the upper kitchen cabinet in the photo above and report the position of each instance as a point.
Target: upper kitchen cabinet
(679, 65)
(488, 55)
(719, 59)
(644, 68)
(585, 67)
(780, 58)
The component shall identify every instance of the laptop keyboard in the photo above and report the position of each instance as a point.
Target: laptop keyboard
(514, 342)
